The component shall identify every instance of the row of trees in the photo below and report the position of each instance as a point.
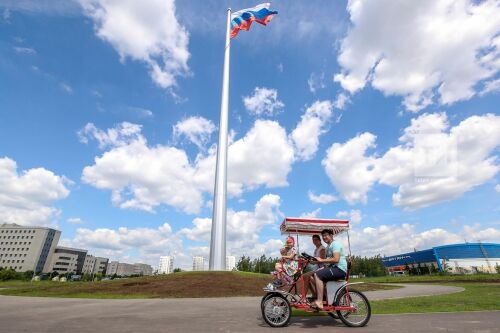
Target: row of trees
(258, 265)
(7, 274)
(364, 266)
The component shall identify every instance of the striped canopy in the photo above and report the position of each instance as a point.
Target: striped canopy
(305, 226)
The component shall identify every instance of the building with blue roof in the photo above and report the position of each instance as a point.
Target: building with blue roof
(467, 258)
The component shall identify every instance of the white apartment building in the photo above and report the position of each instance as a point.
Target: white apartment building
(68, 260)
(166, 265)
(230, 263)
(94, 265)
(198, 263)
(27, 248)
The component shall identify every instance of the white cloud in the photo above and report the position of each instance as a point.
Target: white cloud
(144, 31)
(263, 102)
(323, 198)
(312, 124)
(421, 49)
(66, 88)
(433, 163)
(121, 135)
(316, 82)
(341, 101)
(349, 169)
(354, 216)
(196, 129)
(6, 15)
(490, 86)
(144, 177)
(25, 50)
(395, 239)
(310, 215)
(243, 228)
(131, 244)
(75, 220)
(26, 197)
(497, 188)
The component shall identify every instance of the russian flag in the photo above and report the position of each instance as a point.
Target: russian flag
(242, 19)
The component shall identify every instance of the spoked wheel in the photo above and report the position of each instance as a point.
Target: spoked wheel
(276, 310)
(362, 310)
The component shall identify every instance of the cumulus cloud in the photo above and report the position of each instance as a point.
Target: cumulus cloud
(310, 215)
(143, 177)
(354, 216)
(144, 31)
(243, 228)
(312, 124)
(26, 197)
(395, 239)
(323, 198)
(433, 163)
(196, 129)
(421, 50)
(263, 102)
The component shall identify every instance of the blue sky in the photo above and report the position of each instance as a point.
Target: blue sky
(383, 114)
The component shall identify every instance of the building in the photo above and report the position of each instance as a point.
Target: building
(94, 265)
(166, 265)
(124, 269)
(143, 269)
(198, 263)
(112, 268)
(465, 258)
(27, 248)
(230, 263)
(68, 260)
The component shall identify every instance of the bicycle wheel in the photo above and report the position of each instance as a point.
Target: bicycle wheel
(362, 311)
(276, 311)
(264, 298)
(333, 315)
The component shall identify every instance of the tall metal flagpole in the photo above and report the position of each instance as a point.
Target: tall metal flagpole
(218, 241)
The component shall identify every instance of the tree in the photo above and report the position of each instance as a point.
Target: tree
(177, 270)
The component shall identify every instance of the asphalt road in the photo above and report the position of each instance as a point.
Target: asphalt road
(239, 314)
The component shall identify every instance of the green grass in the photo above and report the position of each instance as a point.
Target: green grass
(432, 278)
(476, 297)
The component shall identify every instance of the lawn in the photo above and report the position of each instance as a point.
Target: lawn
(178, 285)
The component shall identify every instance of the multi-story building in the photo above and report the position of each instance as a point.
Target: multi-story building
(94, 265)
(166, 265)
(143, 269)
(27, 248)
(88, 264)
(68, 260)
(230, 263)
(112, 268)
(198, 263)
(124, 269)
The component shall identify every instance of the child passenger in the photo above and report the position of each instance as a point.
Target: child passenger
(287, 266)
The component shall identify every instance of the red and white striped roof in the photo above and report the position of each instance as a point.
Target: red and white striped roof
(305, 226)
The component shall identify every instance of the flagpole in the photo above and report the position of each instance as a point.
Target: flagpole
(218, 241)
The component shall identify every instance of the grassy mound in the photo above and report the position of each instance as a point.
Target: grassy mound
(178, 285)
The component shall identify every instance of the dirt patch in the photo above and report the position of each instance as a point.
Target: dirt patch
(177, 285)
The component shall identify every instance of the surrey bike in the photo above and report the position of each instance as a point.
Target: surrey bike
(343, 302)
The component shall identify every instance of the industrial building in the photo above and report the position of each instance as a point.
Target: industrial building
(124, 269)
(467, 258)
(94, 265)
(27, 248)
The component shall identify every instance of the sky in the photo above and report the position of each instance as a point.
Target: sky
(384, 113)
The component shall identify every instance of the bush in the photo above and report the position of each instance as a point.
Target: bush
(9, 274)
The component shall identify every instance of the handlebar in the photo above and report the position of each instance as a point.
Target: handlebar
(307, 256)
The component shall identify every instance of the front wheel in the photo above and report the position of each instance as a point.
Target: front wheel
(362, 311)
(276, 310)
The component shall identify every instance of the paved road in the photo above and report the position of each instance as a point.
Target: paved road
(411, 290)
(239, 314)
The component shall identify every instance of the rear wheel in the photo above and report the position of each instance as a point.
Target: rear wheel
(276, 310)
(362, 310)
